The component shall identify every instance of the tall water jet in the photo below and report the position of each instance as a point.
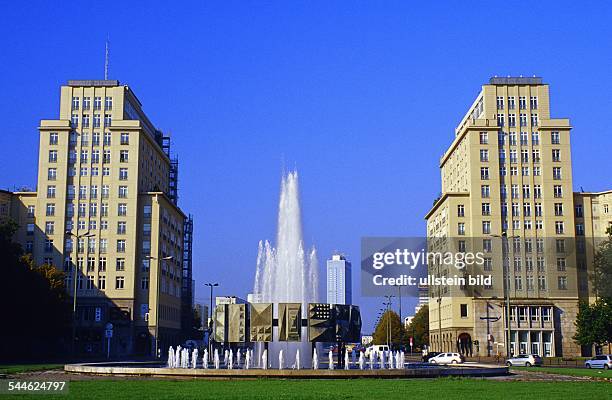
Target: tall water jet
(217, 361)
(281, 360)
(331, 360)
(361, 361)
(171, 357)
(315, 359)
(347, 364)
(205, 359)
(297, 364)
(194, 359)
(264, 359)
(287, 273)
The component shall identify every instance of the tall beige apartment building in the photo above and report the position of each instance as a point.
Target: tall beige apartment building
(105, 211)
(507, 193)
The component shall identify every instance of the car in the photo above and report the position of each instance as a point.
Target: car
(429, 355)
(601, 361)
(377, 348)
(525, 360)
(446, 358)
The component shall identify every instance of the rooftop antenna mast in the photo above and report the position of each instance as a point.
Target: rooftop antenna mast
(106, 59)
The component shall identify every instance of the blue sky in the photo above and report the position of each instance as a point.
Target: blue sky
(361, 98)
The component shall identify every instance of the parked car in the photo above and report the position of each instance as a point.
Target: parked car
(376, 348)
(525, 360)
(446, 358)
(429, 355)
(602, 361)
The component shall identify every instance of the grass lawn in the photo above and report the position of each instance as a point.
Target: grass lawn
(597, 373)
(442, 388)
(15, 369)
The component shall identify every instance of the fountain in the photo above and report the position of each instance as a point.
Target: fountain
(286, 273)
(194, 359)
(217, 361)
(177, 357)
(297, 360)
(264, 359)
(230, 364)
(247, 360)
(372, 360)
(171, 357)
(331, 360)
(205, 359)
(382, 360)
(346, 360)
(390, 357)
(361, 361)
(315, 359)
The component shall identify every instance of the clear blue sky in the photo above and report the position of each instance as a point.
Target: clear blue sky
(362, 99)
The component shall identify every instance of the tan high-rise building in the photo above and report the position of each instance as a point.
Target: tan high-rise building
(507, 193)
(105, 211)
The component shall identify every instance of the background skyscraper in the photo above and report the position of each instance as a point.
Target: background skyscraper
(339, 280)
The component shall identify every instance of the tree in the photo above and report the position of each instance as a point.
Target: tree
(602, 269)
(419, 327)
(398, 333)
(594, 323)
(35, 313)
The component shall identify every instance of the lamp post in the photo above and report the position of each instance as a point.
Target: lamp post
(389, 334)
(210, 322)
(74, 287)
(157, 300)
(506, 268)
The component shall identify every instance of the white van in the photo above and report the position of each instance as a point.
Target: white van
(376, 348)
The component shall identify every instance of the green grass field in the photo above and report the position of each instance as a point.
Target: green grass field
(443, 388)
(16, 369)
(595, 373)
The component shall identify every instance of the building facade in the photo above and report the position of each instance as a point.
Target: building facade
(106, 212)
(507, 194)
(339, 289)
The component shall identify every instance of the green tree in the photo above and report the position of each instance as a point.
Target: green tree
(35, 313)
(419, 328)
(594, 323)
(398, 333)
(602, 269)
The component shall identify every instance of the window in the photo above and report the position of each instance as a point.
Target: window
(93, 225)
(554, 138)
(52, 156)
(487, 264)
(460, 210)
(526, 191)
(545, 311)
(106, 171)
(51, 191)
(522, 102)
(48, 245)
(460, 228)
(484, 173)
(104, 210)
(605, 208)
(91, 264)
(95, 139)
(464, 310)
(122, 210)
(511, 103)
(52, 174)
(536, 171)
(119, 282)
(512, 138)
(502, 156)
(487, 246)
(106, 157)
(86, 103)
(123, 174)
(484, 155)
(524, 156)
(504, 209)
(501, 138)
(50, 209)
(515, 191)
(107, 120)
(91, 245)
(485, 191)
(96, 121)
(562, 282)
(560, 245)
(93, 210)
(529, 283)
(484, 138)
(125, 138)
(30, 229)
(86, 121)
(74, 120)
(535, 138)
(120, 264)
(121, 246)
(107, 139)
(93, 192)
(83, 171)
(144, 283)
(102, 282)
(559, 227)
(556, 155)
(123, 156)
(500, 120)
(537, 192)
(558, 191)
(513, 171)
(535, 155)
(486, 209)
(527, 209)
(518, 285)
(121, 227)
(97, 103)
(523, 119)
(580, 229)
(557, 173)
(533, 102)
(123, 191)
(108, 103)
(49, 228)
(511, 120)
(147, 211)
(105, 191)
(53, 138)
(82, 192)
(500, 103)
(486, 227)
(579, 213)
(558, 209)
(95, 156)
(146, 264)
(146, 229)
(561, 264)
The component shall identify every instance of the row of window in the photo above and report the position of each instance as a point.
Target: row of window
(95, 156)
(501, 120)
(524, 138)
(97, 121)
(484, 156)
(97, 103)
(95, 138)
(533, 102)
(487, 245)
(515, 189)
(52, 172)
(539, 225)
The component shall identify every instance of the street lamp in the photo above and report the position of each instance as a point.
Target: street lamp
(389, 335)
(506, 270)
(210, 322)
(157, 300)
(74, 287)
